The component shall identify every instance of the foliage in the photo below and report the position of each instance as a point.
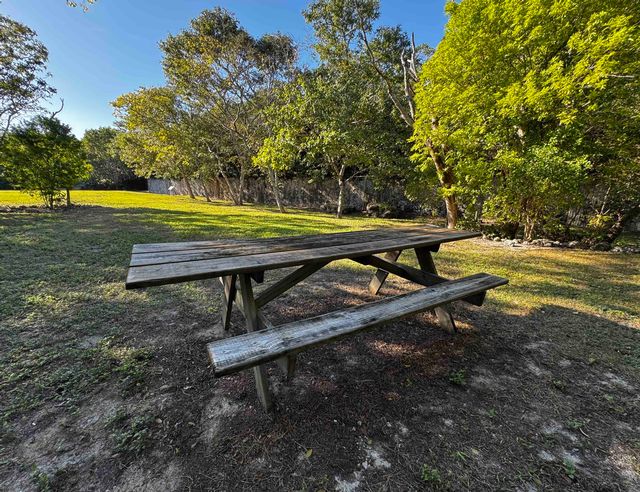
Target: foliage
(109, 171)
(528, 98)
(229, 77)
(23, 65)
(43, 157)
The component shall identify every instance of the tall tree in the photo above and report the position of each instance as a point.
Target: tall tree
(44, 158)
(229, 76)
(156, 134)
(530, 93)
(23, 72)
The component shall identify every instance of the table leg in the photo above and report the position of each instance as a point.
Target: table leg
(380, 276)
(251, 315)
(425, 260)
(229, 295)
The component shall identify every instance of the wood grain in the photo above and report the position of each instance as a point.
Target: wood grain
(168, 273)
(234, 354)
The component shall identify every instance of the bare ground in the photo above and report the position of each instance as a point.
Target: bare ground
(512, 402)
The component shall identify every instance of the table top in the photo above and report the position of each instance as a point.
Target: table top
(168, 263)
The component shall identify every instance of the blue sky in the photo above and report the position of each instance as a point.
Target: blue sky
(112, 49)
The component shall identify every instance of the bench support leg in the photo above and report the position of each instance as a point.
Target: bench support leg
(425, 260)
(251, 315)
(380, 276)
(229, 286)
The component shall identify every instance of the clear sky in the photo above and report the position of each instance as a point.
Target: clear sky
(112, 49)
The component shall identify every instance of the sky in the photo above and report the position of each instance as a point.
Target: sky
(112, 49)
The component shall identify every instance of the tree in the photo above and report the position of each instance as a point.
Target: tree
(229, 77)
(42, 157)
(534, 89)
(156, 134)
(109, 171)
(23, 65)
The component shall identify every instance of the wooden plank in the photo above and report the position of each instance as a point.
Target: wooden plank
(352, 236)
(425, 260)
(229, 295)
(251, 315)
(284, 284)
(381, 275)
(264, 246)
(413, 274)
(236, 353)
(149, 275)
(287, 365)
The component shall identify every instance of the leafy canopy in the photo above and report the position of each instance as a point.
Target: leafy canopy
(42, 157)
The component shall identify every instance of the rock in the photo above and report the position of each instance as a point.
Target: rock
(496, 239)
(573, 244)
(602, 246)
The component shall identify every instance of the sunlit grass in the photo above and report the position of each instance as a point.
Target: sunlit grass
(62, 281)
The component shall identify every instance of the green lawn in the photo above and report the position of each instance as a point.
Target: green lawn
(70, 333)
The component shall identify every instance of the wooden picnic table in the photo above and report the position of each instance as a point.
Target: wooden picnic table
(240, 263)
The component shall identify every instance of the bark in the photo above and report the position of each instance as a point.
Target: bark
(68, 198)
(447, 180)
(189, 189)
(206, 192)
(341, 184)
(622, 219)
(241, 186)
(273, 175)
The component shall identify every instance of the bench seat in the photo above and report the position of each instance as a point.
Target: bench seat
(233, 354)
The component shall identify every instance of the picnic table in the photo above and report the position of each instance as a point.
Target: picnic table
(238, 264)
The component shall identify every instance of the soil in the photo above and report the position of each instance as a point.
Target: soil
(511, 402)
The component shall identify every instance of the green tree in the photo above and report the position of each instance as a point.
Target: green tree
(109, 171)
(23, 72)
(229, 77)
(156, 134)
(42, 157)
(542, 89)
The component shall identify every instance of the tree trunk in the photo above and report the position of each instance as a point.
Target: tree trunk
(273, 175)
(205, 191)
(68, 198)
(341, 184)
(188, 184)
(622, 219)
(447, 180)
(241, 186)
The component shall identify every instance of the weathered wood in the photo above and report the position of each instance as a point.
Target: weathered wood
(281, 244)
(251, 315)
(258, 276)
(168, 273)
(237, 353)
(229, 295)
(425, 260)
(413, 274)
(240, 244)
(284, 284)
(287, 365)
(381, 275)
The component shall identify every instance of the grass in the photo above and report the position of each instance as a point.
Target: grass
(68, 329)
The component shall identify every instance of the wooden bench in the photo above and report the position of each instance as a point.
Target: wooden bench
(234, 354)
(240, 263)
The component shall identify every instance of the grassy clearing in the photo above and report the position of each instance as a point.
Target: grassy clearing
(72, 340)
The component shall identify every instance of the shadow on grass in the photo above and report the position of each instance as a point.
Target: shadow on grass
(546, 399)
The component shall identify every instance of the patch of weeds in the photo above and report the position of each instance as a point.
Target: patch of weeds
(431, 475)
(492, 413)
(459, 378)
(569, 468)
(41, 479)
(130, 363)
(559, 384)
(576, 424)
(131, 435)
